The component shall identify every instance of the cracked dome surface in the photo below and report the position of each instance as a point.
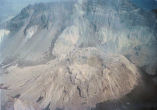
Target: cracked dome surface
(82, 79)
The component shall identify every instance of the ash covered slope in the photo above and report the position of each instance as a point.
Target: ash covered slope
(79, 40)
(119, 27)
(33, 30)
(45, 30)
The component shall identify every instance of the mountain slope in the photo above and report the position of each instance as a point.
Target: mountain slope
(87, 50)
(113, 26)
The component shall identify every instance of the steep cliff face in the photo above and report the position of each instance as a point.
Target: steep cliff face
(86, 50)
(45, 30)
(119, 27)
(33, 30)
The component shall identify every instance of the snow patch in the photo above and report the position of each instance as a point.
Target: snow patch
(30, 32)
(3, 33)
